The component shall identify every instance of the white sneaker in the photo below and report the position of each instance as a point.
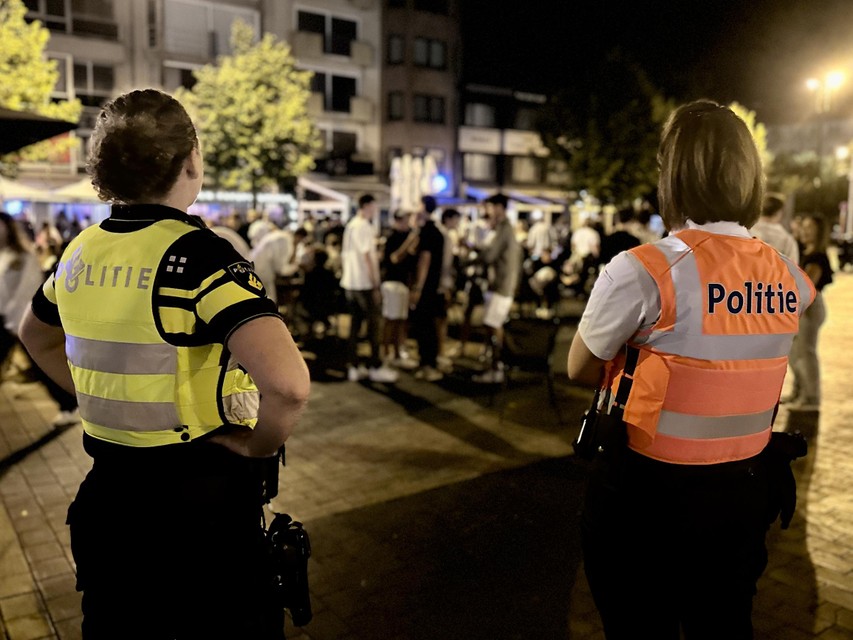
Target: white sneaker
(405, 362)
(383, 374)
(492, 376)
(66, 418)
(354, 374)
(429, 374)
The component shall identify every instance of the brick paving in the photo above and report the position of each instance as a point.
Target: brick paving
(433, 516)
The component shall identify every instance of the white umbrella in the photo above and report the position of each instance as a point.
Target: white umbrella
(396, 183)
(430, 170)
(14, 190)
(406, 200)
(415, 185)
(80, 191)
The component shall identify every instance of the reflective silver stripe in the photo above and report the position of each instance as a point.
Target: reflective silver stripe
(121, 357)
(737, 347)
(241, 406)
(129, 416)
(681, 425)
(803, 287)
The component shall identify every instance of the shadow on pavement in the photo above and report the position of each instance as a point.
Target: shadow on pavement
(789, 560)
(492, 557)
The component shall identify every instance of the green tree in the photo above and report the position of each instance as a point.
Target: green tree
(28, 78)
(251, 113)
(757, 129)
(606, 128)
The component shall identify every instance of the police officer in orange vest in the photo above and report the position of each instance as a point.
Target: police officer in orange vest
(687, 341)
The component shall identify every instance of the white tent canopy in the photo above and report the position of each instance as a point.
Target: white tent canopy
(14, 190)
(80, 191)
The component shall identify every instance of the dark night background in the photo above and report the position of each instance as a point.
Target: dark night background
(758, 52)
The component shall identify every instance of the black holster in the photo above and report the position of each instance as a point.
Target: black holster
(780, 452)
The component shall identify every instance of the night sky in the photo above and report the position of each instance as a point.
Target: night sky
(758, 52)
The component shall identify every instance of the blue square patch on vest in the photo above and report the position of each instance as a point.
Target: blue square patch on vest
(243, 273)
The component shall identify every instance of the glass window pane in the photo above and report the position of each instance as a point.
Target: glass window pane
(32, 5)
(61, 85)
(478, 166)
(313, 22)
(436, 110)
(99, 8)
(318, 83)
(185, 27)
(81, 78)
(525, 170)
(344, 143)
(395, 105)
(421, 109)
(479, 115)
(396, 52)
(343, 34)
(421, 51)
(55, 7)
(437, 57)
(102, 78)
(343, 89)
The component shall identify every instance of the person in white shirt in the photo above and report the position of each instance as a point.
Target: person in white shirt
(360, 280)
(586, 241)
(273, 257)
(542, 236)
(769, 228)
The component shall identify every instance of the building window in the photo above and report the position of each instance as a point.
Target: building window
(396, 49)
(438, 155)
(525, 170)
(479, 166)
(429, 109)
(178, 74)
(336, 90)
(93, 83)
(62, 88)
(430, 53)
(432, 6)
(152, 24)
(344, 144)
(338, 33)
(52, 13)
(525, 119)
(202, 29)
(479, 115)
(395, 105)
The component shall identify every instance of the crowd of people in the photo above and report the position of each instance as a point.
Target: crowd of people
(189, 382)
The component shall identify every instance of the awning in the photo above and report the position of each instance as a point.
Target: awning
(80, 191)
(19, 129)
(14, 190)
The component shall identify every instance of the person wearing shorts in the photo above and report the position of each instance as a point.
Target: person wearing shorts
(397, 268)
(501, 253)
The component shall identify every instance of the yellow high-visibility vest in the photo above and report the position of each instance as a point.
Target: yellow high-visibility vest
(133, 387)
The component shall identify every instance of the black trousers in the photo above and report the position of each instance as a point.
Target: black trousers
(362, 307)
(430, 307)
(669, 547)
(169, 545)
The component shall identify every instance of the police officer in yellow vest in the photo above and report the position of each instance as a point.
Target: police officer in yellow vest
(687, 340)
(188, 383)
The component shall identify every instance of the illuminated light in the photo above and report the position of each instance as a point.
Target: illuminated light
(439, 183)
(813, 84)
(14, 207)
(842, 153)
(834, 79)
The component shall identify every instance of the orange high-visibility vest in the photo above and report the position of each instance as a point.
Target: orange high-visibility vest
(710, 372)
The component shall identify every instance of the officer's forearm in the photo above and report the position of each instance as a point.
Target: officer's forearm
(46, 346)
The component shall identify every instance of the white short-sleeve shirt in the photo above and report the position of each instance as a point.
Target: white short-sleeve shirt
(359, 246)
(625, 299)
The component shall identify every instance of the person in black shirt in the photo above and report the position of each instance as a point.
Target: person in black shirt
(425, 300)
(621, 239)
(398, 263)
(804, 358)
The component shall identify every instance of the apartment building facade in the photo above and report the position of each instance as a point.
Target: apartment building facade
(106, 47)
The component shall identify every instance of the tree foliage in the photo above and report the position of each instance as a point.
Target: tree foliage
(251, 113)
(757, 129)
(607, 128)
(28, 79)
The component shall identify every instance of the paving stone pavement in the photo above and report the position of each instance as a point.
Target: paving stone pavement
(441, 511)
